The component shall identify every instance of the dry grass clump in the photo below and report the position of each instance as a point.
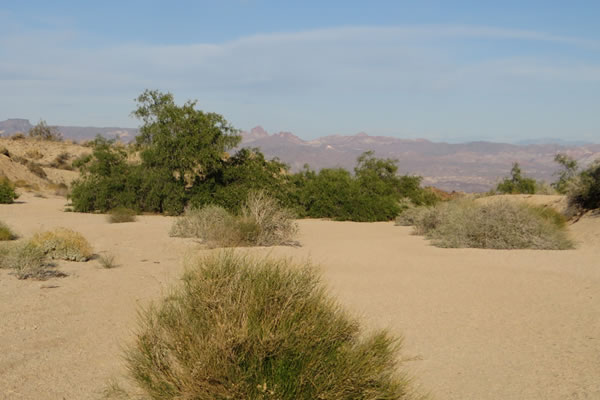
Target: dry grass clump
(262, 222)
(6, 233)
(27, 261)
(494, 225)
(64, 244)
(242, 328)
(121, 214)
(107, 261)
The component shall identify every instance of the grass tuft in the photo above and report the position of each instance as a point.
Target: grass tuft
(499, 224)
(244, 328)
(64, 244)
(107, 261)
(6, 233)
(121, 214)
(27, 261)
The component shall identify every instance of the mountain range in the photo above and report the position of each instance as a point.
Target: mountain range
(470, 167)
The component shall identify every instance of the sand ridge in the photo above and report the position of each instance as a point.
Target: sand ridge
(477, 324)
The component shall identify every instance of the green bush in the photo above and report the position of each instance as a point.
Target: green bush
(517, 183)
(6, 233)
(238, 328)
(7, 192)
(584, 190)
(495, 224)
(121, 214)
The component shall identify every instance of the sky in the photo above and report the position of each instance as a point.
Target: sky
(441, 70)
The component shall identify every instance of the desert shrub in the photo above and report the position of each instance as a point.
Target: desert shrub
(42, 131)
(64, 244)
(36, 169)
(28, 261)
(240, 328)
(18, 136)
(6, 233)
(121, 214)
(261, 222)
(491, 225)
(34, 154)
(61, 161)
(517, 183)
(82, 160)
(4, 151)
(584, 189)
(567, 173)
(7, 191)
(107, 261)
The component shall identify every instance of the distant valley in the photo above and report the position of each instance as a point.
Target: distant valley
(469, 167)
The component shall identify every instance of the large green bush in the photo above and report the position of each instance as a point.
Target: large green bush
(7, 191)
(241, 328)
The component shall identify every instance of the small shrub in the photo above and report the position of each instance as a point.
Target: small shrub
(61, 161)
(239, 328)
(36, 169)
(6, 233)
(107, 261)
(4, 151)
(584, 190)
(492, 225)
(42, 131)
(28, 261)
(34, 154)
(267, 220)
(262, 222)
(121, 214)
(18, 136)
(7, 192)
(64, 244)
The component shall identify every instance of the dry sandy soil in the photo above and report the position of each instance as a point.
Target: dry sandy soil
(477, 324)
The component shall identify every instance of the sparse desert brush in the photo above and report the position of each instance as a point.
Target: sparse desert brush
(121, 214)
(501, 224)
(7, 191)
(274, 224)
(60, 189)
(262, 222)
(61, 161)
(34, 154)
(107, 261)
(18, 136)
(4, 151)
(63, 244)
(6, 233)
(28, 261)
(243, 328)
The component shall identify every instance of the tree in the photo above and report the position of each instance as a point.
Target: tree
(517, 183)
(44, 132)
(566, 174)
(181, 139)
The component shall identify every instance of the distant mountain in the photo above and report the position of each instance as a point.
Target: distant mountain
(470, 167)
(78, 133)
(564, 142)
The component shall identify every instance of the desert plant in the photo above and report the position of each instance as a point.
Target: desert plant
(584, 190)
(498, 224)
(4, 151)
(107, 261)
(274, 224)
(210, 223)
(241, 328)
(7, 191)
(18, 136)
(61, 161)
(6, 233)
(121, 214)
(42, 131)
(64, 244)
(517, 183)
(36, 169)
(28, 261)
(34, 154)
(567, 173)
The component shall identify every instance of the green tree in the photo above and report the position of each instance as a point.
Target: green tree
(567, 173)
(44, 132)
(517, 183)
(181, 139)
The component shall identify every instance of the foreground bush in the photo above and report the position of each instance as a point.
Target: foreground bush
(121, 214)
(498, 224)
(63, 244)
(7, 192)
(262, 222)
(27, 261)
(239, 328)
(6, 233)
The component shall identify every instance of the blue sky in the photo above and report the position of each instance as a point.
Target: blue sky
(460, 70)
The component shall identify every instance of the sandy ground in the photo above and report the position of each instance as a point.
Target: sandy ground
(478, 324)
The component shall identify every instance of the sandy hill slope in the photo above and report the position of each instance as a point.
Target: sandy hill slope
(477, 324)
(21, 162)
